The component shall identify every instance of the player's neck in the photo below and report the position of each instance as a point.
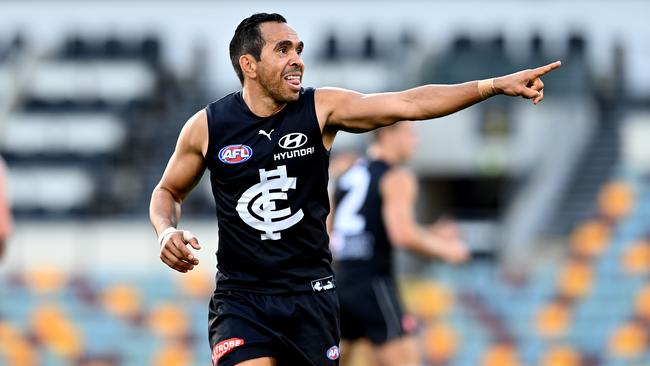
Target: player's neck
(260, 103)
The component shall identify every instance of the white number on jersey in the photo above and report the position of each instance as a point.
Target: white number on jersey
(347, 220)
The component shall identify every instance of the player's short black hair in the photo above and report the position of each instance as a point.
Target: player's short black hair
(248, 38)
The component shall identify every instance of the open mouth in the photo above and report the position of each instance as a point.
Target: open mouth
(294, 81)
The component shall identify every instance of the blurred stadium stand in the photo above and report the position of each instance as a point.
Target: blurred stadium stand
(553, 199)
(88, 124)
(104, 302)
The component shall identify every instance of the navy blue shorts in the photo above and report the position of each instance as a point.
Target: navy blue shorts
(298, 329)
(371, 309)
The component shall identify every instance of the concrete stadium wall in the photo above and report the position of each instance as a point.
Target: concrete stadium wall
(98, 246)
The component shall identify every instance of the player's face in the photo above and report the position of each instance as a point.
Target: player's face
(281, 68)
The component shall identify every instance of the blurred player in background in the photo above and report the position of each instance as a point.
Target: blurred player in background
(374, 211)
(267, 150)
(5, 213)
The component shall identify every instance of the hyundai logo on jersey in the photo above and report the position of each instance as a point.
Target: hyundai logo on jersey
(293, 140)
(235, 154)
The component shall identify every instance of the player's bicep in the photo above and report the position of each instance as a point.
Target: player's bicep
(187, 163)
(182, 173)
(352, 111)
(399, 189)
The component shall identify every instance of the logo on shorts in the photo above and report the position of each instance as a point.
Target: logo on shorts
(333, 353)
(235, 154)
(323, 284)
(409, 323)
(224, 347)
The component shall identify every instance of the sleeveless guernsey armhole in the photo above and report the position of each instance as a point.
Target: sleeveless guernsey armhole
(208, 114)
(310, 93)
(207, 120)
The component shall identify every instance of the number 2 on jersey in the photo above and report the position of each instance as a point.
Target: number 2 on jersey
(355, 181)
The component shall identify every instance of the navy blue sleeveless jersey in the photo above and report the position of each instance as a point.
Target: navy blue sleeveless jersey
(269, 180)
(360, 244)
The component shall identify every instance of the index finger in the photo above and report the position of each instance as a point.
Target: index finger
(180, 245)
(546, 69)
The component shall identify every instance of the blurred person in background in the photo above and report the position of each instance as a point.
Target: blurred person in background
(373, 212)
(5, 213)
(267, 150)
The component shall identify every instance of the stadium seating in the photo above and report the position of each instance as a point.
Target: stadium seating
(85, 320)
(594, 306)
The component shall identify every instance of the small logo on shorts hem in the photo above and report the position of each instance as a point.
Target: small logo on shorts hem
(224, 347)
(333, 353)
(323, 284)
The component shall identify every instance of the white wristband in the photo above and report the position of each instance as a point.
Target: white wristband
(165, 233)
(486, 88)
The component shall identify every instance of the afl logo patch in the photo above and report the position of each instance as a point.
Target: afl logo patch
(293, 140)
(333, 353)
(235, 154)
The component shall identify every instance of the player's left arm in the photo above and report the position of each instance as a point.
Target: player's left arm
(398, 192)
(182, 174)
(341, 109)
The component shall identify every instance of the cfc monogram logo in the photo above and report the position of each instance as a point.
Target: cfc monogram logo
(256, 206)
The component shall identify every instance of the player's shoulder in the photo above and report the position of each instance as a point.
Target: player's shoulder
(401, 173)
(198, 120)
(399, 178)
(224, 106)
(329, 99)
(331, 93)
(194, 134)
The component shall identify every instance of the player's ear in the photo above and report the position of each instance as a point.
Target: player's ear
(248, 65)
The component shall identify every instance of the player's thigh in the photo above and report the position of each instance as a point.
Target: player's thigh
(262, 361)
(402, 351)
(238, 332)
(346, 352)
(358, 352)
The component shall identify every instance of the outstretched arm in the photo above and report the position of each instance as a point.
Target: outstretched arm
(183, 172)
(399, 191)
(340, 109)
